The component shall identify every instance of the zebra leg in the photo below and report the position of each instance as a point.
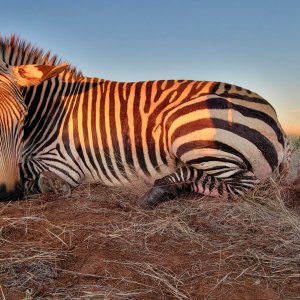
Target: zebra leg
(185, 179)
(189, 179)
(163, 190)
(47, 182)
(50, 182)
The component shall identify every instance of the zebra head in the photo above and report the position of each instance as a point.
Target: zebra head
(12, 115)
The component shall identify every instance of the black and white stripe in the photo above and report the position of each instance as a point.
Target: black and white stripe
(90, 129)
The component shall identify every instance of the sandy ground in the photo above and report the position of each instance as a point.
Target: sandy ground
(97, 244)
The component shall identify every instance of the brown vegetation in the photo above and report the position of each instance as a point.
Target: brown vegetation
(97, 244)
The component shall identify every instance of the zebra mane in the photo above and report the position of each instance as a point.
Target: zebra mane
(16, 51)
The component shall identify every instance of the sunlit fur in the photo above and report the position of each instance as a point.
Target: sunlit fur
(12, 115)
(91, 129)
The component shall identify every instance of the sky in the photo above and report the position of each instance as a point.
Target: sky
(254, 44)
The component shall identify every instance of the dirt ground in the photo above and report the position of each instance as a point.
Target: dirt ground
(97, 244)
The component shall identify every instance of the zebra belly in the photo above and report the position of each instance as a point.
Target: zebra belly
(113, 176)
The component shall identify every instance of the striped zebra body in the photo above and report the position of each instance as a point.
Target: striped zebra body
(111, 131)
(208, 137)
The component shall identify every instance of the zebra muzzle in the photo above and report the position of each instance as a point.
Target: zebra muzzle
(15, 194)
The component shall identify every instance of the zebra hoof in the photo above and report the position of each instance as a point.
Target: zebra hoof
(157, 195)
(50, 182)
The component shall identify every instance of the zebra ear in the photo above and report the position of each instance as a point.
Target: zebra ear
(27, 75)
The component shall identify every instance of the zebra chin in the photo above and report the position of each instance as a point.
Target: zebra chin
(15, 194)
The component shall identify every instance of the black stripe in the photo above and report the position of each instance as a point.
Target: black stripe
(220, 188)
(204, 181)
(255, 137)
(149, 139)
(244, 97)
(223, 89)
(224, 104)
(201, 144)
(33, 107)
(74, 117)
(125, 127)
(103, 132)
(66, 173)
(148, 96)
(83, 126)
(50, 161)
(71, 89)
(212, 183)
(113, 130)
(88, 88)
(94, 144)
(137, 124)
(65, 160)
(247, 112)
(42, 121)
(184, 174)
(94, 131)
(46, 124)
(199, 175)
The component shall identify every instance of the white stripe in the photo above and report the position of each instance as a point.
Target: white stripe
(261, 168)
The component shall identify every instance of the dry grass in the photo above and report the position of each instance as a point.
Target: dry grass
(98, 245)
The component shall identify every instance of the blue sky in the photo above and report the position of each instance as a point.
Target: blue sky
(254, 44)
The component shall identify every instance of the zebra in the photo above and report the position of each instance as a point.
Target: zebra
(206, 137)
(12, 115)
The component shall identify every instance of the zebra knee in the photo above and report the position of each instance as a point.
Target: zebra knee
(50, 182)
(31, 186)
